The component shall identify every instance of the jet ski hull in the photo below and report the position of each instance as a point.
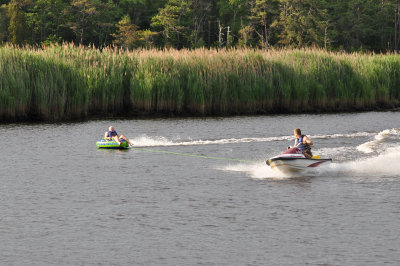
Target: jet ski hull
(293, 160)
(295, 164)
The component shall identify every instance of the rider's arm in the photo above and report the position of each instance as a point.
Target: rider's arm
(106, 135)
(307, 141)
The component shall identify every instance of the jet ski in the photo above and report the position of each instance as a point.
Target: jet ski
(293, 160)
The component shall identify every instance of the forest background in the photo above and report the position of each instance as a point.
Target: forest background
(196, 57)
(338, 25)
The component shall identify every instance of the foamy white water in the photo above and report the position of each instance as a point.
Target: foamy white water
(150, 141)
(258, 171)
(387, 162)
(334, 136)
(336, 153)
(373, 145)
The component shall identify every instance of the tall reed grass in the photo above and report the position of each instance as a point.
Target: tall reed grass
(68, 82)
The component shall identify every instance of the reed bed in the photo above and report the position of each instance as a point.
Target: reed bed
(68, 82)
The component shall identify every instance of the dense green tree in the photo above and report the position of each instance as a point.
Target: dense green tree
(126, 36)
(46, 19)
(18, 33)
(173, 22)
(141, 12)
(361, 24)
(231, 17)
(387, 21)
(81, 13)
(263, 16)
(3, 23)
(351, 25)
(129, 36)
(105, 24)
(302, 23)
(201, 22)
(396, 38)
(91, 20)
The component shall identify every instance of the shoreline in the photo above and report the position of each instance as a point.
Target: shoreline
(143, 116)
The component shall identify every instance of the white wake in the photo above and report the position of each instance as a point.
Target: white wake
(347, 161)
(385, 164)
(159, 141)
(379, 139)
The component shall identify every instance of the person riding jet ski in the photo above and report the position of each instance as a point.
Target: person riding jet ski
(303, 143)
(297, 158)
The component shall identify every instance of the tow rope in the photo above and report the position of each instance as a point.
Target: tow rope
(193, 155)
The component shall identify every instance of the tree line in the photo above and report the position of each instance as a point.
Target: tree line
(349, 25)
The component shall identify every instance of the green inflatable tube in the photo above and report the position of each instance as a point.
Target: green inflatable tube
(111, 144)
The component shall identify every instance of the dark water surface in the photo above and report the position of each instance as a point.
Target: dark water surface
(65, 202)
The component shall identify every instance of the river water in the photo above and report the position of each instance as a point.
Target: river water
(65, 202)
